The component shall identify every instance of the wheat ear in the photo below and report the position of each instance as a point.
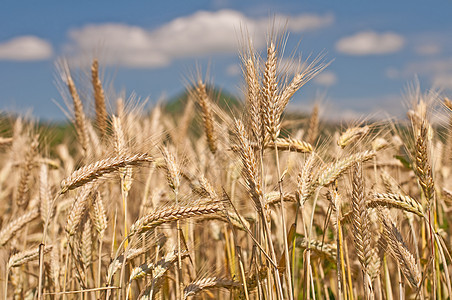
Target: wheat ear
(403, 202)
(361, 219)
(174, 213)
(291, 144)
(99, 99)
(10, 229)
(80, 118)
(5, 141)
(423, 169)
(400, 252)
(253, 97)
(328, 250)
(159, 270)
(23, 187)
(78, 209)
(23, 257)
(313, 128)
(351, 135)
(91, 172)
(45, 194)
(305, 180)
(250, 170)
(208, 283)
(332, 171)
(269, 94)
(207, 115)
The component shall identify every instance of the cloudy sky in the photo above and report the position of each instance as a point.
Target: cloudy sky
(153, 48)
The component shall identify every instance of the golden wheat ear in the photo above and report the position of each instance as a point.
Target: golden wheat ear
(94, 171)
(205, 103)
(399, 250)
(99, 99)
(207, 283)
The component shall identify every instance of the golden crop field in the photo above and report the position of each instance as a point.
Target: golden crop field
(228, 203)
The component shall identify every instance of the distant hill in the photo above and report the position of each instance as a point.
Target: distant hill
(223, 99)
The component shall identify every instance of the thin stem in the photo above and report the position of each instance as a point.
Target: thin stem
(42, 246)
(339, 261)
(6, 283)
(180, 288)
(268, 232)
(99, 267)
(308, 250)
(283, 221)
(124, 195)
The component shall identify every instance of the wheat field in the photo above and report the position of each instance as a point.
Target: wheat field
(228, 203)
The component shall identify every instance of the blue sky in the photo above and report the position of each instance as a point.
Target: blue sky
(151, 48)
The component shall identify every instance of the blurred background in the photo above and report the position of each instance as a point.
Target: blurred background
(152, 49)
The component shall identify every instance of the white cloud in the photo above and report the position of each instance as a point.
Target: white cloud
(307, 22)
(233, 70)
(326, 78)
(428, 49)
(25, 48)
(370, 43)
(202, 33)
(392, 73)
(376, 108)
(437, 71)
(443, 81)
